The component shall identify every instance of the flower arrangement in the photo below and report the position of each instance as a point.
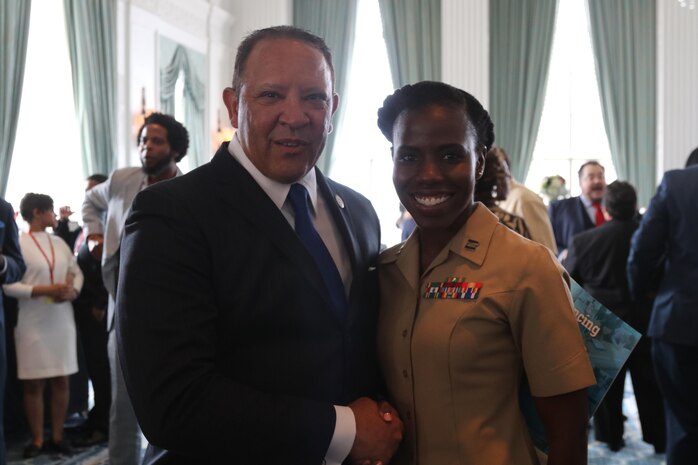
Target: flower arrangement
(553, 187)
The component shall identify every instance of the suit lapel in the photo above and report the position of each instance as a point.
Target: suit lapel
(341, 217)
(239, 190)
(584, 216)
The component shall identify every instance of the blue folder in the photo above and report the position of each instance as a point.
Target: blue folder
(609, 342)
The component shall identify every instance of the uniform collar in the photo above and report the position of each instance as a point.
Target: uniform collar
(471, 242)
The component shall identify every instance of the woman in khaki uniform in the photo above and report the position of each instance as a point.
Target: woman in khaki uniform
(469, 307)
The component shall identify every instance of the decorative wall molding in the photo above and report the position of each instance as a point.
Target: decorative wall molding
(188, 15)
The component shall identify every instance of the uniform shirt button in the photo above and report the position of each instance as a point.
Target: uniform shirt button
(408, 415)
(404, 333)
(404, 373)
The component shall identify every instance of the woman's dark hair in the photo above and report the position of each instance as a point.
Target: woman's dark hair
(427, 93)
(692, 158)
(484, 187)
(277, 32)
(31, 202)
(621, 200)
(98, 178)
(177, 135)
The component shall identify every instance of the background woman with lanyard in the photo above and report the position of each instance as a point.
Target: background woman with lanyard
(45, 333)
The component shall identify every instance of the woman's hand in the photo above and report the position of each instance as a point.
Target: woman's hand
(58, 292)
(565, 418)
(67, 293)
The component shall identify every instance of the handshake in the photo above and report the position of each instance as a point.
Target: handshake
(378, 432)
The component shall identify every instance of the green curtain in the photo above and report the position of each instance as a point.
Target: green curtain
(521, 37)
(334, 21)
(412, 32)
(91, 29)
(194, 97)
(623, 36)
(14, 29)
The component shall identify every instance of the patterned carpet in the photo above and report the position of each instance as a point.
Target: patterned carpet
(96, 455)
(636, 452)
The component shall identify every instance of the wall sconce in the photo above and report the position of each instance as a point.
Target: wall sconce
(139, 118)
(223, 134)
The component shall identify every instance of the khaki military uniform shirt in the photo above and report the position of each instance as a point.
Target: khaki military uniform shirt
(455, 343)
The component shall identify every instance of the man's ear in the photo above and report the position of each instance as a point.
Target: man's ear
(231, 101)
(335, 102)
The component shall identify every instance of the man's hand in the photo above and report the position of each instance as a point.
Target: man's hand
(64, 212)
(378, 432)
(95, 243)
(99, 313)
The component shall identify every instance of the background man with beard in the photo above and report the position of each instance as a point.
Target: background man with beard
(162, 142)
(576, 214)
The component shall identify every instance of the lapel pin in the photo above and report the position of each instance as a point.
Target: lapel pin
(472, 245)
(339, 200)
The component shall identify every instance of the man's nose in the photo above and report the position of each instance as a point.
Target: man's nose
(294, 113)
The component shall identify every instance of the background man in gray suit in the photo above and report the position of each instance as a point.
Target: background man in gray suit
(667, 239)
(162, 142)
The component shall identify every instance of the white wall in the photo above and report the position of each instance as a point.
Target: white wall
(677, 84)
(211, 27)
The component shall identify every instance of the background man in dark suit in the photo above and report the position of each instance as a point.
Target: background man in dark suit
(11, 270)
(576, 214)
(91, 321)
(236, 344)
(667, 235)
(597, 260)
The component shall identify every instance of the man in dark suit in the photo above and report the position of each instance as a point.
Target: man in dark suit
(90, 318)
(667, 237)
(237, 344)
(11, 270)
(597, 260)
(576, 214)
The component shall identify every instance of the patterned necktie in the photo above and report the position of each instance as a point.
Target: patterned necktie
(298, 196)
(598, 214)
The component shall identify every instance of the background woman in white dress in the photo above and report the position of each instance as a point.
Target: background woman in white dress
(45, 332)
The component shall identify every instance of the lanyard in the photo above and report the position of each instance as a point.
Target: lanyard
(51, 264)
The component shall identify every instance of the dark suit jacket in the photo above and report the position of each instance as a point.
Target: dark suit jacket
(597, 259)
(230, 349)
(670, 228)
(568, 217)
(9, 247)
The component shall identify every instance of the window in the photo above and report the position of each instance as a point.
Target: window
(362, 158)
(572, 129)
(46, 157)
